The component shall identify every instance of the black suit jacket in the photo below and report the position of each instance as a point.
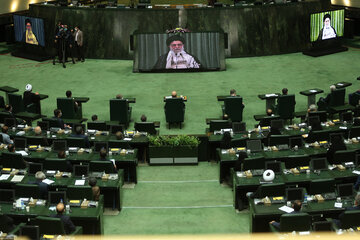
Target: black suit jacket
(30, 98)
(60, 122)
(68, 224)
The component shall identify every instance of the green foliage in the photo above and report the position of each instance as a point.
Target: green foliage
(174, 141)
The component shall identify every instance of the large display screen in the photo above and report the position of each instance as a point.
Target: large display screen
(29, 30)
(326, 25)
(175, 52)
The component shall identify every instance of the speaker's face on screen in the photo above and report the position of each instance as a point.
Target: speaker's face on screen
(28, 26)
(176, 46)
(327, 22)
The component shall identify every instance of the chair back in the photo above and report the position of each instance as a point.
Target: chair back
(79, 192)
(174, 110)
(234, 108)
(337, 97)
(27, 191)
(12, 160)
(295, 222)
(350, 219)
(55, 164)
(119, 110)
(67, 107)
(354, 99)
(148, 127)
(286, 106)
(16, 101)
(102, 166)
(50, 225)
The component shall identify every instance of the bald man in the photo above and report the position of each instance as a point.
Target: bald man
(173, 94)
(38, 133)
(68, 224)
(37, 130)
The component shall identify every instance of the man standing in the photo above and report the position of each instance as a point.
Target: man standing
(176, 57)
(79, 40)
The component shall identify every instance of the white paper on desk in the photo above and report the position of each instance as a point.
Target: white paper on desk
(304, 233)
(349, 163)
(356, 172)
(48, 181)
(17, 178)
(312, 90)
(113, 161)
(338, 205)
(4, 177)
(168, 97)
(51, 172)
(24, 199)
(80, 182)
(23, 153)
(127, 139)
(240, 174)
(286, 209)
(270, 95)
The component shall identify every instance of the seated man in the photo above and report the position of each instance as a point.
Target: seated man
(38, 133)
(143, 118)
(43, 187)
(68, 224)
(119, 135)
(95, 189)
(79, 133)
(31, 98)
(296, 206)
(94, 118)
(9, 109)
(103, 156)
(119, 96)
(325, 101)
(76, 104)
(57, 116)
(352, 208)
(233, 94)
(5, 135)
(11, 148)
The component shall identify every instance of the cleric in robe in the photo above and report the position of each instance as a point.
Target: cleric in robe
(176, 57)
(327, 31)
(29, 36)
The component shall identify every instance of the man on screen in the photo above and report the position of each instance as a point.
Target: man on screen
(29, 36)
(176, 57)
(327, 31)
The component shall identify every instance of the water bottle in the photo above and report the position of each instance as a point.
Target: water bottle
(305, 198)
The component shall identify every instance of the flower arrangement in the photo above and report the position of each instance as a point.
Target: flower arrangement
(178, 30)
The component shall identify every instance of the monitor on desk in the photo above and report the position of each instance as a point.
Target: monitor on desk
(238, 127)
(13, 160)
(336, 137)
(10, 122)
(20, 143)
(314, 123)
(100, 145)
(296, 141)
(271, 190)
(35, 167)
(59, 145)
(345, 190)
(253, 163)
(7, 195)
(321, 114)
(346, 117)
(319, 164)
(277, 124)
(116, 128)
(80, 170)
(293, 194)
(294, 161)
(75, 142)
(32, 232)
(320, 186)
(56, 197)
(100, 126)
(274, 165)
(216, 125)
(254, 145)
(345, 156)
(44, 125)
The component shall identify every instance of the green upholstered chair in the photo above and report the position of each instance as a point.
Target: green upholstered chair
(322, 226)
(2, 103)
(8, 227)
(75, 142)
(286, 106)
(56, 164)
(148, 127)
(68, 108)
(354, 99)
(53, 226)
(174, 110)
(119, 144)
(233, 107)
(295, 222)
(79, 192)
(102, 166)
(350, 219)
(27, 190)
(28, 113)
(12, 160)
(120, 111)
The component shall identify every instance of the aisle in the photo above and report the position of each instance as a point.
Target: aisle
(177, 200)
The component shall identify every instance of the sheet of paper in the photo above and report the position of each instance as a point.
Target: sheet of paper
(127, 139)
(48, 181)
(356, 172)
(23, 153)
(4, 177)
(312, 91)
(270, 95)
(80, 182)
(338, 205)
(286, 209)
(17, 178)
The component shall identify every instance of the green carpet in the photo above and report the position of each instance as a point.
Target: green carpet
(103, 79)
(164, 202)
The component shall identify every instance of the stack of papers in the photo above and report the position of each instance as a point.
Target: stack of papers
(286, 209)
(17, 178)
(23, 153)
(312, 91)
(48, 181)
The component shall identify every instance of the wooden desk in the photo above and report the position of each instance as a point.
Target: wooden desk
(311, 94)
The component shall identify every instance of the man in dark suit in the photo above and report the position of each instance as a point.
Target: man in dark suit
(296, 206)
(43, 187)
(76, 104)
(352, 208)
(9, 109)
(57, 116)
(31, 98)
(79, 42)
(79, 133)
(68, 224)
